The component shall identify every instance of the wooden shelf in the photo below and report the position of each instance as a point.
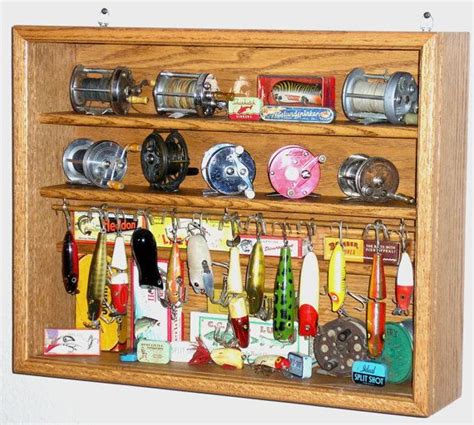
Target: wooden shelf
(222, 124)
(193, 198)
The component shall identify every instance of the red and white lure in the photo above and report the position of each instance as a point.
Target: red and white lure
(119, 280)
(405, 281)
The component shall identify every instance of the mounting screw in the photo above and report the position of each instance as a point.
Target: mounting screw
(104, 17)
(427, 22)
(426, 15)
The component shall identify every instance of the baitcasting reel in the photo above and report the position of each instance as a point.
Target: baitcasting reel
(229, 169)
(99, 91)
(189, 94)
(165, 162)
(339, 343)
(102, 163)
(392, 98)
(294, 172)
(370, 179)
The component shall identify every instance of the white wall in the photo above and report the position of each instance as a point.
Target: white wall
(29, 399)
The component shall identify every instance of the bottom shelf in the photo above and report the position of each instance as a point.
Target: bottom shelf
(318, 390)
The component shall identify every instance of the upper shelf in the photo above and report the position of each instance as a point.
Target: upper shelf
(193, 198)
(338, 128)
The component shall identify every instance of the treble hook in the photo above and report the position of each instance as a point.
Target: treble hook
(340, 226)
(102, 212)
(260, 225)
(235, 226)
(119, 217)
(359, 298)
(284, 225)
(146, 214)
(310, 230)
(377, 227)
(67, 215)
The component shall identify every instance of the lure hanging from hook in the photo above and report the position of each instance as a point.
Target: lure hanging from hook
(70, 255)
(119, 279)
(405, 282)
(145, 254)
(337, 289)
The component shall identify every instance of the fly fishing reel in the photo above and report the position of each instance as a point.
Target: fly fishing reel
(99, 91)
(294, 172)
(229, 170)
(165, 162)
(196, 94)
(102, 163)
(370, 179)
(370, 98)
(339, 343)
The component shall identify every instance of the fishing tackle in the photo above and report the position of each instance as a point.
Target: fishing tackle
(165, 163)
(230, 358)
(259, 305)
(309, 290)
(228, 169)
(119, 279)
(186, 93)
(294, 172)
(239, 318)
(103, 163)
(98, 91)
(337, 289)
(284, 301)
(376, 311)
(370, 179)
(405, 281)
(145, 254)
(288, 91)
(98, 271)
(272, 361)
(372, 98)
(70, 255)
(201, 276)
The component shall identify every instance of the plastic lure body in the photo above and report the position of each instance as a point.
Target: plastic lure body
(255, 281)
(119, 279)
(404, 285)
(97, 278)
(174, 278)
(309, 296)
(201, 276)
(70, 262)
(145, 254)
(337, 278)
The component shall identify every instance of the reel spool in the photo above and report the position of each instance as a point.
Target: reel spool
(294, 172)
(392, 98)
(370, 179)
(98, 91)
(229, 170)
(102, 163)
(339, 343)
(189, 94)
(165, 162)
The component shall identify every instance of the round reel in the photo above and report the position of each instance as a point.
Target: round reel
(375, 97)
(371, 179)
(99, 91)
(339, 343)
(186, 93)
(99, 163)
(229, 169)
(165, 162)
(294, 172)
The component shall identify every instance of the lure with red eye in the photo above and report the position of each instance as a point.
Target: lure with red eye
(273, 361)
(70, 262)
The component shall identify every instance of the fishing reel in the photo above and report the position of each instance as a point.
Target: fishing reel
(370, 98)
(339, 343)
(294, 172)
(370, 179)
(98, 91)
(165, 162)
(196, 94)
(229, 169)
(102, 163)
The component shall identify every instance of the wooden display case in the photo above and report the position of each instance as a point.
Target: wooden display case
(431, 159)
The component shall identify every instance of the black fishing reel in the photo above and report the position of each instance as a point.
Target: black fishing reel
(165, 163)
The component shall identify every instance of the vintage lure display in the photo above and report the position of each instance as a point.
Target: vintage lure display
(98, 91)
(187, 93)
(372, 98)
(405, 281)
(284, 301)
(119, 283)
(70, 255)
(145, 254)
(370, 179)
(103, 163)
(229, 169)
(165, 163)
(294, 172)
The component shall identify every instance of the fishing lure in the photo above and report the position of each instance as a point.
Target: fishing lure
(239, 318)
(201, 276)
(174, 278)
(272, 361)
(228, 358)
(288, 91)
(405, 282)
(97, 273)
(70, 256)
(337, 278)
(145, 254)
(119, 279)
(375, 327)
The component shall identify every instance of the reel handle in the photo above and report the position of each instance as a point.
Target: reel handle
(401, 197)
(133, 147)
(221, 96)
(138, 100)
(193, 171)
(115, 185)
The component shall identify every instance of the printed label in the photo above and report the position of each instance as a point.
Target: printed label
(369, 373)
(71, 342)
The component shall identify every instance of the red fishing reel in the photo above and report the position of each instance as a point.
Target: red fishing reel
(294, 172)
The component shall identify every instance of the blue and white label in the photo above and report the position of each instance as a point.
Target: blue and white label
(369, 373)
(297, 114)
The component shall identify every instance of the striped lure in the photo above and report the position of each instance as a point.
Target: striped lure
(288, 91)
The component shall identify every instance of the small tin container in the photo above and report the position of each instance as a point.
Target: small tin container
(158, 352)
(301, 365)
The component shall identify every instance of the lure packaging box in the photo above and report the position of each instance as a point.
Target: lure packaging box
(271, 245)
(301, 365)
(204, 325)
(297, 114)
(292, 90)
(245, 108)
(71, 342)
(369, 373)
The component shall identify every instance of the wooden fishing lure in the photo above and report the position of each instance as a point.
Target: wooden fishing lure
(309, 296)
(70, 263)
(404, 285)
(284, 299)
(377, 284)
(239, 318)
(201, 276)
(337, 278)
(119, 280)
(255, 281)
(375, 327)
(145, 254)
(289, 91)
(234, 277)
(228, 357)
(174, 278)
(272, 361)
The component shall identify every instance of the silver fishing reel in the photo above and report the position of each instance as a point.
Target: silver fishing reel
(98, 91)
(370, 179)
(196, 94)
(229, 169)
(371, 98)
(102, 163)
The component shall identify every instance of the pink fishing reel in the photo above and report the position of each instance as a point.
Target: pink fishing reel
(294, 172)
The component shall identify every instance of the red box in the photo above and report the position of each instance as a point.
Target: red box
(293, 90)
